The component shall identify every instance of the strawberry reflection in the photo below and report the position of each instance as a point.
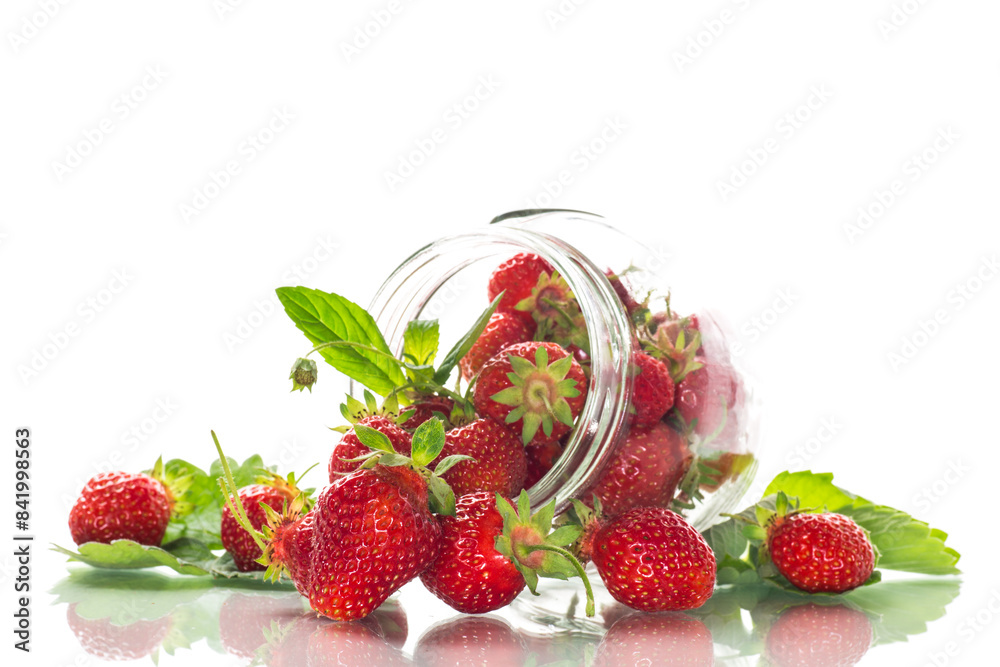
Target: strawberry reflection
(818, 636)
(667, 638)
(245, 620)
(104, 639)
(471, 640)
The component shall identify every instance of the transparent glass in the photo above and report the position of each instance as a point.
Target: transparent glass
(446, 280)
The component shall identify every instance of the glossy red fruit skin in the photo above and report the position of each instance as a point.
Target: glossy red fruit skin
(503, 330)
(238, 541)
(493, 379)
(540, 461)
(293, 548)
(645, 471)
(516, 277)
(821, 553)
(350, 447)
(652, 391)
(812, 635)
(121, 506)
(425, 408)
(500, 463)
(469, 574)
(371, 535)
(709, 394)
(651, 559)
(103, 639)
(667, 638)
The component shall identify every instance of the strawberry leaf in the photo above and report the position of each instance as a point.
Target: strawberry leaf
(129, 555)
(428, 441)
(420, 344)
(465, 344)
(373, 439)
(324, 317)
(440, 496)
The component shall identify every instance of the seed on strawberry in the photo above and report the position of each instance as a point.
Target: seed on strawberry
(653, 390)
(516, 278)
(124, 506)
(812, 635)
(668, 638)
(503, 330)
(820, 553)
(649, 558)
(350, 447)
(536, 388)
(645, 471)
(498, 460)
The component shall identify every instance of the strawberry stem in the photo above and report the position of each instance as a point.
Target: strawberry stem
(576, 565)
(232, 496)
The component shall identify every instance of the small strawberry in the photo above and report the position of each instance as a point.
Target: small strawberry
(350, 447)
(471, 640)
(621, 288)
(668, 638)
(812, 635)
(674, 341)
(652, 391)
(426, 407)
(503, 330)
(516, 278)
(540, 460)
(499, 463)
(107, 641)
(645, 471)
(125, 506)
(649, 558)
(536, 388)
(707, 397)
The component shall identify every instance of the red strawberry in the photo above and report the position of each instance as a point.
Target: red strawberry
(540, 461)
(425, 408)
(276, 492)
(503, 330)
(622, 291)
(652, 392)
(537, 388)
(645, 471)
(470, 574)
(105, 640)
(820, 553)
(650, 558)
(499, 463)
(667, 638)
(244, 620)
(350, 447)
(122, 506)
(516, 278)
(817, 636)
(708, 395)
(470, 640)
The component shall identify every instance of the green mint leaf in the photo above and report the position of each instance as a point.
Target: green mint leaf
(463, 346)
(428, 441)
(420, 345)
(324, 317)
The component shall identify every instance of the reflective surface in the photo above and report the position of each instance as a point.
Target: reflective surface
(147, 616)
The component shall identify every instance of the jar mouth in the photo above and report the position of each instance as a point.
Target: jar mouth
(604, 419)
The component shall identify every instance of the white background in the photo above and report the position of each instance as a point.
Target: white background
(188, 283)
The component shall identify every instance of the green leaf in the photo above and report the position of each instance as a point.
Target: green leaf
(428, 441)
(441, 497)
(324, 317)
(465, 344)
(814, 490)
(373, 439)
(129, 555)
(420, 342)
(449, 462)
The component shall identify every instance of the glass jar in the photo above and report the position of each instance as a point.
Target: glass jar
(446, 280)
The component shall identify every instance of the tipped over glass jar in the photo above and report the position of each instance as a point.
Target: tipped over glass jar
(699, 458)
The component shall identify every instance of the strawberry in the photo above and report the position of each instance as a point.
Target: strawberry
(105, 640)
(499, 463)
(649, 558)
(540, 461)
(350, 447)
(124, 506)
(652, 390)
(470, 640)
(820, 553)
(645, 471)
(623, 292)
(707, 396)
(516, 278)
(811, 635)
(426, 407)
(536, 388)
(669, 638)
(503, 330)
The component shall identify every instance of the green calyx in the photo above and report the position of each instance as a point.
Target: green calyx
(677, 348)
(303, 375)
(556, 312)
(539, 393)
(354, 410)
(428, 441)
(536, 550)
(177, 487)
